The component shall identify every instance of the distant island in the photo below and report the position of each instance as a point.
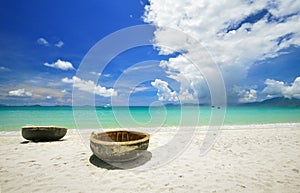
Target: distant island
(275, 102)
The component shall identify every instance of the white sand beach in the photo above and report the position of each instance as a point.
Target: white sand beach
(264, 159)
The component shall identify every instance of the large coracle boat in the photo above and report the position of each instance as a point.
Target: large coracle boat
(119, 146)
(43, 133)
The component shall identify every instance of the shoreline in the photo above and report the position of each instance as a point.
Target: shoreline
(173, 128)
(241, 160)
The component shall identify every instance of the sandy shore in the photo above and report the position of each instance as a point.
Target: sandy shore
(246, 160)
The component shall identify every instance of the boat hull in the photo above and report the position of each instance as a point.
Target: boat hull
(119, 146)
(43, 133)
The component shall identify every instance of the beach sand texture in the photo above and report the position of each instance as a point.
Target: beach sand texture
(257, 160)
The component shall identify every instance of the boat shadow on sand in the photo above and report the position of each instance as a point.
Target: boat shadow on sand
(45, 141)
(143, 159)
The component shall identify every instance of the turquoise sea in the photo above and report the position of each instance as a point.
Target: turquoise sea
(13, 118)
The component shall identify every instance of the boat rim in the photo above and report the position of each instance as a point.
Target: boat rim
(145, 138)
(42, 127)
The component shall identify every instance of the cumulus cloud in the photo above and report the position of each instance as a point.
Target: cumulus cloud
(59, 44)
(276, 88)
(20, 93)
(43, 41)
(236, 33)
(164, 93)
(90, 86)
(192, 83)
(60, 64)
(247, 96)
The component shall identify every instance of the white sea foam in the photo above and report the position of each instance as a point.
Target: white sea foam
(262, 126)
(153, 130)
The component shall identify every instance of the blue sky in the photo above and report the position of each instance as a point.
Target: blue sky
(43, 43)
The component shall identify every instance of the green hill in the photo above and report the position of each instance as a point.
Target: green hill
(276, 102)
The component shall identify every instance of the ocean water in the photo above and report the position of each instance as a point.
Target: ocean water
(13, 118)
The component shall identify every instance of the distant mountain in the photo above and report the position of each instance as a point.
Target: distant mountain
(185, 104)
(276, 102)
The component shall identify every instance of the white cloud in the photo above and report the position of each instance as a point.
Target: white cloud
(95, 73)
(99, 74)
(67, 80)
(59, 44)
(192, 83)
(236, 33)
(276, 88)
(247, 96)
(164, 93)
(20, 93)
(4, 69)
(60, 64)
(41, 93)
(139, 89)
(90, 86)
(43, 41)
(107, 75)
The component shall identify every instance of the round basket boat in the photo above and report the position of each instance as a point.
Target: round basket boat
(119, 146)
(43, 133)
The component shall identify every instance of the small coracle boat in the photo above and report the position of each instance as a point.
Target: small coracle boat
(43, 133)
(119, 146)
